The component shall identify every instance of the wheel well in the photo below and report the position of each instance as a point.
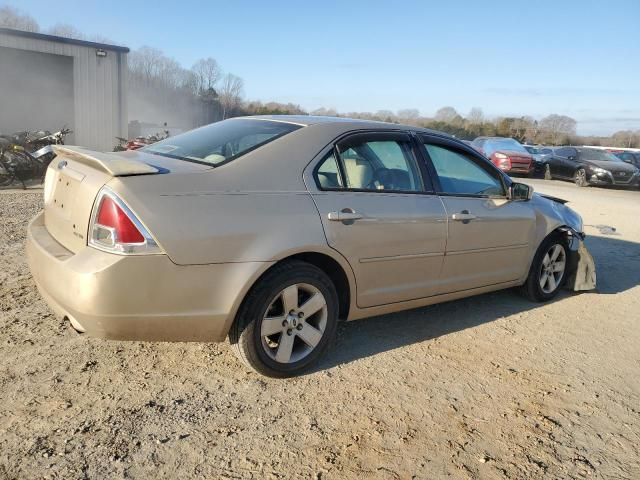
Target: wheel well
(332, 269)
(329, 266)
(335, 272)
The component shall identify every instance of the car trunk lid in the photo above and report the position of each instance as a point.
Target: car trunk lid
(76, 175)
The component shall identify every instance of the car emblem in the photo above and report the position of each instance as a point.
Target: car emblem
(62, 164)
(623, 174)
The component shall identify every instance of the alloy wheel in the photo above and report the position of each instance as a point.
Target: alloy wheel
(552, 269)
(294, 323)
(581, 178)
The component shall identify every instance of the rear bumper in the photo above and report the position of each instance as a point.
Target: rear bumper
(145, 297)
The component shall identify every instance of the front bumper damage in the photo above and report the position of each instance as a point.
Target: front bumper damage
(581, 275)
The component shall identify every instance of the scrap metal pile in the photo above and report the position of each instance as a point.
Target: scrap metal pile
(139, 142)
(25, 156)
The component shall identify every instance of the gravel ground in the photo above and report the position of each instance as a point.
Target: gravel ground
(487, 387)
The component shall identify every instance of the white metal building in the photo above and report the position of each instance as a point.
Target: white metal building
(48, 81)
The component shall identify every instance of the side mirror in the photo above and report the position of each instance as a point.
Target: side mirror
(571, 157)
(520, 192)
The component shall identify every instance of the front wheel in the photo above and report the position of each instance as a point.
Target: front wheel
(548, 270)
(580, 178)
(287, 320)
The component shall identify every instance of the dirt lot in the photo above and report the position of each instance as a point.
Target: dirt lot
(488, 387)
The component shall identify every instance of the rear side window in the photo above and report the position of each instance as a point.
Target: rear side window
(460, 174)
(221, 142)
(328, 176)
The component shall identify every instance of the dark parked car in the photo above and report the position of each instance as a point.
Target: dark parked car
(539, 155)
(630, 157)
(506, 153)
(590, 166)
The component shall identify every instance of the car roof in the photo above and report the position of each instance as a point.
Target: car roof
(348, 123)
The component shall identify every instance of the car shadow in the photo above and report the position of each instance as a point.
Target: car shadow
(618, 270)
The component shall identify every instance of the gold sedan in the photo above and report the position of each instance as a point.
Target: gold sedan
(268, 230)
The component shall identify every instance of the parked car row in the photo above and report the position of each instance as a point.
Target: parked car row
(584, 166)
(590, 166)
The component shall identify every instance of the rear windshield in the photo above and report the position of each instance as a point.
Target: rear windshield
(221, 142)
(508, 144)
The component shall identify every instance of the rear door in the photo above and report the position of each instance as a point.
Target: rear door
(380, 215)
(488, 236)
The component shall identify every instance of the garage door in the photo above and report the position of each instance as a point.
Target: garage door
(36, 91)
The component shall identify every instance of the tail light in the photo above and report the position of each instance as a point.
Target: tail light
(502, 161)
(114, 227)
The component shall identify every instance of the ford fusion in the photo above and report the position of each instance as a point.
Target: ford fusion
(269, 230)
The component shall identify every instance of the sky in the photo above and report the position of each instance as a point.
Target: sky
(576, 58)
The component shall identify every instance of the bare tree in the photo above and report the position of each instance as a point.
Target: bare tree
(67, 31)
(409, 114)
(13, 18)
(230, 93)
(207, 72)
(520, 126)
(145, 62)
(626, 139)
(325, 112)
(557, 128)
(385, 115)
(446, 114)
(475, 116)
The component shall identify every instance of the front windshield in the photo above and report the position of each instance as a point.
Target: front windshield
(507, 144)
(221, 142)
(598, 155)
(532, 150)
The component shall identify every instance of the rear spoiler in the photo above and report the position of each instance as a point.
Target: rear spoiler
(115, 164)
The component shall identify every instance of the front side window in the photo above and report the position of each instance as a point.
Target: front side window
(459, 174)
(380, 165)
(221, 142)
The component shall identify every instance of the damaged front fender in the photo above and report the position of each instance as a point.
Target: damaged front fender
(581, 274)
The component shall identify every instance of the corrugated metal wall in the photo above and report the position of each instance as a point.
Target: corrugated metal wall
(99, 85)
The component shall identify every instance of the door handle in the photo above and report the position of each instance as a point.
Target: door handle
(464, 216)
(345, 215)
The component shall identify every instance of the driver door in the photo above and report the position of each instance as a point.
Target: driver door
(489, 236)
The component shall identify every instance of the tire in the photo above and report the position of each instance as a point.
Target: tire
(5, 179)
(537, 287)
(580, 178)
(275, 306)
(547, 172)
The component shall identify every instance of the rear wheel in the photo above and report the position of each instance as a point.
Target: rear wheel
(580, 178)
(548, 270)
(287, 320)
(5, 177)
